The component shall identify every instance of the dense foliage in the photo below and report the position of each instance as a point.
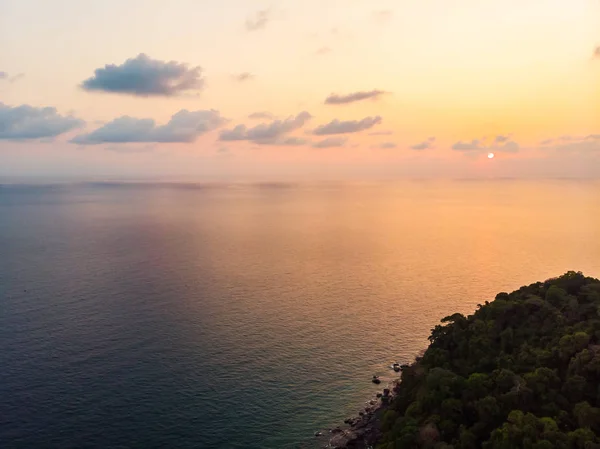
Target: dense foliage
(522, 372)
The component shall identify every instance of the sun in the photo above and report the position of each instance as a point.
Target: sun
(491, 155)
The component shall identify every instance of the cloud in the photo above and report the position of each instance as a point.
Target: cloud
(258, 21)
(354, 96)
(143, 77)
(241, 77)
(590, 143)
(261, 115)
(467, 146)
(387, 145)
(597, 52)
(331, 142)
(381, 133)
(27, 122)
(3, 75)
(507, 147)
(323, 51)
(500, 144)
(383, 15)
(425, 145)
(131, 149)
(344, 127)
(17, 77)
(185, 126)
(294, 141)
(266, 133)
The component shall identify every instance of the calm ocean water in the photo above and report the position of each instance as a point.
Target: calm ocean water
(192, 316)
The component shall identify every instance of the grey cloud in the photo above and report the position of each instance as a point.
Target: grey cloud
(266, 133)
(142, 76)
(17, 77)
(597, 52)
(294, 141)
(331, 142)
(383, 15)
(323, 50)
(568, 138)
(185, 126)
(27, 122)
(241, 77)
(425, 145)
(344, 127)
(468, 146)
(506, 146)
(590, 143)
(3, 75)
(131, 149)
(388, 145)
(261, 115)
(259, 21)
(381, 133)
(283, 141)
(501, 139)
(354, 96)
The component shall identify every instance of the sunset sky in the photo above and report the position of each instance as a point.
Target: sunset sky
(282, 89)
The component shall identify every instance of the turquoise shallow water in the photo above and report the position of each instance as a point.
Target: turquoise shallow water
(249, 316)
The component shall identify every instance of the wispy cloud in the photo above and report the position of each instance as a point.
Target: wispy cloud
(331, 142)
(387, 145)
(131, 149)
(261, 115)
(425, 145)
(573, 144)
(294, 141)
(143, 77)
(17, 77)
(381, 133)
(344, 127)
(354, 96)
(27, 122)
(258, 21)
(383, 15)
(500, 143)
(266, 133)
(468, 146)
(597, 52)
(323, 51)
(241, 77)
(184, 127)
(3, 75)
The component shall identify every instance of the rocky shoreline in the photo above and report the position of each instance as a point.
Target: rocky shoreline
(362, 431)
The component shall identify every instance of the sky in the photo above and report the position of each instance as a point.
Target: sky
(311, 89)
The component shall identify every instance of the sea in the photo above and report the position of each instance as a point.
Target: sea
(230, 316)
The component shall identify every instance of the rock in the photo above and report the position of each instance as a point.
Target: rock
(379, 395)
(386, 392)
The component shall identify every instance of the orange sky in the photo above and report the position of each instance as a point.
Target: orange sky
(463, 72)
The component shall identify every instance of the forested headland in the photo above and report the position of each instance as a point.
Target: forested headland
(523, 371)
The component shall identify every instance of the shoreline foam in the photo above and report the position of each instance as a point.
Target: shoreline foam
(362, 431)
